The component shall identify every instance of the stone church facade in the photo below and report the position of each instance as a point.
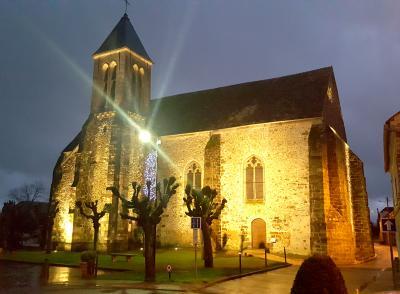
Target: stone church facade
(276, 149)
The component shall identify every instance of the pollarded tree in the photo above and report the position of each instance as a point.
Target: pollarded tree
(204, 204)
(147, 213)
(95, 217)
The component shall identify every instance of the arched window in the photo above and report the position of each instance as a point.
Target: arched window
(254, 173)
(193, 176)
(113, 79)
(105, 78)
(105, 85)
(135, 88)
(140, 96)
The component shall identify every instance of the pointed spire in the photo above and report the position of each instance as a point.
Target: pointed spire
(124, 35)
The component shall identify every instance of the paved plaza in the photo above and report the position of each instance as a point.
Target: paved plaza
(370, 277)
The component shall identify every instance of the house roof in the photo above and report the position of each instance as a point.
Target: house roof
(290, 97)
(123, 35)
(386, 212)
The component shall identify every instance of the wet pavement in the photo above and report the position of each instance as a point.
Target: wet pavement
(371, 277)
(26, 278)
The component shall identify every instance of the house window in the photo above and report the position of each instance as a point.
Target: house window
(193, 176)
(254, 173)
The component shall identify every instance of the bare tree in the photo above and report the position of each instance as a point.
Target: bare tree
(147, 213)
(95, 217)
(204, 204)
(27, 192)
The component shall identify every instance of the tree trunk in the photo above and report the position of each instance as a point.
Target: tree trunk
(150, 252)
(96, 236)
(207, 246)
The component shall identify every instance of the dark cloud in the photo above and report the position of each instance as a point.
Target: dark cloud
(45, 64)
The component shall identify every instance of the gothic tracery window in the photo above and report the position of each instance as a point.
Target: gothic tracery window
(254, 174)
(193, 176)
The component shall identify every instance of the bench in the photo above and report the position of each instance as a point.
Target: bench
(128, 256)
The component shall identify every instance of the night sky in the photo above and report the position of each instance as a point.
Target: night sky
(46, 66)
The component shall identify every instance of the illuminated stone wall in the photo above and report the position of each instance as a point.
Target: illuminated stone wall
(338, 210)
(361, 216)
(340, 224)
(108, 153)
(315, 197)
(180, 151)
(65, 194)
(283, 149)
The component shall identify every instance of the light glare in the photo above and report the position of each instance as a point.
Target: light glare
(144, 136)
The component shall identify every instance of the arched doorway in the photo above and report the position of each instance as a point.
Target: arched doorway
(258, 233)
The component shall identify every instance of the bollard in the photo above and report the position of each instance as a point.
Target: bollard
(240, 262)
(284, 252)
(265, 257)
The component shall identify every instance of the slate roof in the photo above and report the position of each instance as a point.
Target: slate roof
(386, 212)
(290, 97)
(124, 35)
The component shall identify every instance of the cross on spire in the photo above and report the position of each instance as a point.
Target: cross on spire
(126, 5)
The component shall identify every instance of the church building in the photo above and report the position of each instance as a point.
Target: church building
(276, 149)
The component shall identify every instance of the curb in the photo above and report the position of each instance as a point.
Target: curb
(245, 275)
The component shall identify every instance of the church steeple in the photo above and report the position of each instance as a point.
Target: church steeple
(123, 36)
(122, 72)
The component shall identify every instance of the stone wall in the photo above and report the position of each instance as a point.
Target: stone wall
(317, 156)
(63, 192)
(212, 178)
(109, 154)
(361, 217)
(283, 149)
(338, 210)
(178, 152)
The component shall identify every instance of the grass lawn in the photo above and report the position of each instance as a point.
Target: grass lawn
(181, 260)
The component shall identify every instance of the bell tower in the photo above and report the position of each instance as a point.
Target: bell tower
(121, 72)
(110, 153)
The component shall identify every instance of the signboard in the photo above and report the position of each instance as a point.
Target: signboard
(195, 222)
(388, 225)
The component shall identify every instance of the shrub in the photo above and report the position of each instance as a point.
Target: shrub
(319, 274)
(88, 256)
